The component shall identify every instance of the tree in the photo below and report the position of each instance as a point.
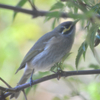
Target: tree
(87, 12)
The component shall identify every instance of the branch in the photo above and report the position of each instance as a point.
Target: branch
(62, 74)
(82, 5)
(31, 12)
(33, 5)
(38, 13)
(5, 82)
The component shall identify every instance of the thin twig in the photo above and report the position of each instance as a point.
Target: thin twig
(5, 82)
(24, 94)
(33, 5)
(34, 8)
(32, 12)
(87, 25)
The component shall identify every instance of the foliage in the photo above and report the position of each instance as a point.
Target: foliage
(14, 36)
(81, 51)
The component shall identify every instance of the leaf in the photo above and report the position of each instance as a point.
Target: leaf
(27, 90)
(86, 1)
(58, 5)
(53, 24)
(20, 4)
(69, 67)
(91, 37)
(66, 97)
(96, 8)
(56, 98)
(56, 67)
(54, 14)
(41, 74)
(81, 50)
(75, 10)
(35, 87)
(94, 66)
(85, 49)
(64, 58)
(82, 23)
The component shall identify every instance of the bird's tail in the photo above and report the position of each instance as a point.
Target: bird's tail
(23, 80)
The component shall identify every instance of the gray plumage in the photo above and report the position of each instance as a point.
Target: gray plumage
(47, 51)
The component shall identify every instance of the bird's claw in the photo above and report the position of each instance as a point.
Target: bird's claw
(31, 81)
(59, 74)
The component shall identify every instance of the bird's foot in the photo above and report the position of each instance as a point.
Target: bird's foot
(59, 72)
(31, 80)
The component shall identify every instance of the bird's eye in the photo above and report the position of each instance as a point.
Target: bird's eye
(61, 29)
(66, 30)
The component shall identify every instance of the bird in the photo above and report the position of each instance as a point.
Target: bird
(47, 51)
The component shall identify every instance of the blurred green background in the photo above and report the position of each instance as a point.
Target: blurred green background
(18, 36)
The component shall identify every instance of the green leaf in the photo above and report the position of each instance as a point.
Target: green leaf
(41, 74)
(66, 97)
(94, 66)
(86, 1)
(20, 4)
(35, 87)
(27, 90)
(96, 8)
(81, 51)
(53, 24)
(56, 98)
(91, 37)
(58, 5)
(65, 57)
(75, 10)
(85, 49)
(82, 23)
(54, 14)
(56, 67)
(69, 67)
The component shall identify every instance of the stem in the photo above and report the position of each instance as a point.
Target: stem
(62, 74)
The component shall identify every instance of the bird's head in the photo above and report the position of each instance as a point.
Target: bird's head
(66, 28)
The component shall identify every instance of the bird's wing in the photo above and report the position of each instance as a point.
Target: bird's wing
(28, 57)
(38, 47)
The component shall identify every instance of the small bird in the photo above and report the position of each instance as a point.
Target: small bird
(48, 50)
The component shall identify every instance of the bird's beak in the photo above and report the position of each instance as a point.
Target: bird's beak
(74, 23)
